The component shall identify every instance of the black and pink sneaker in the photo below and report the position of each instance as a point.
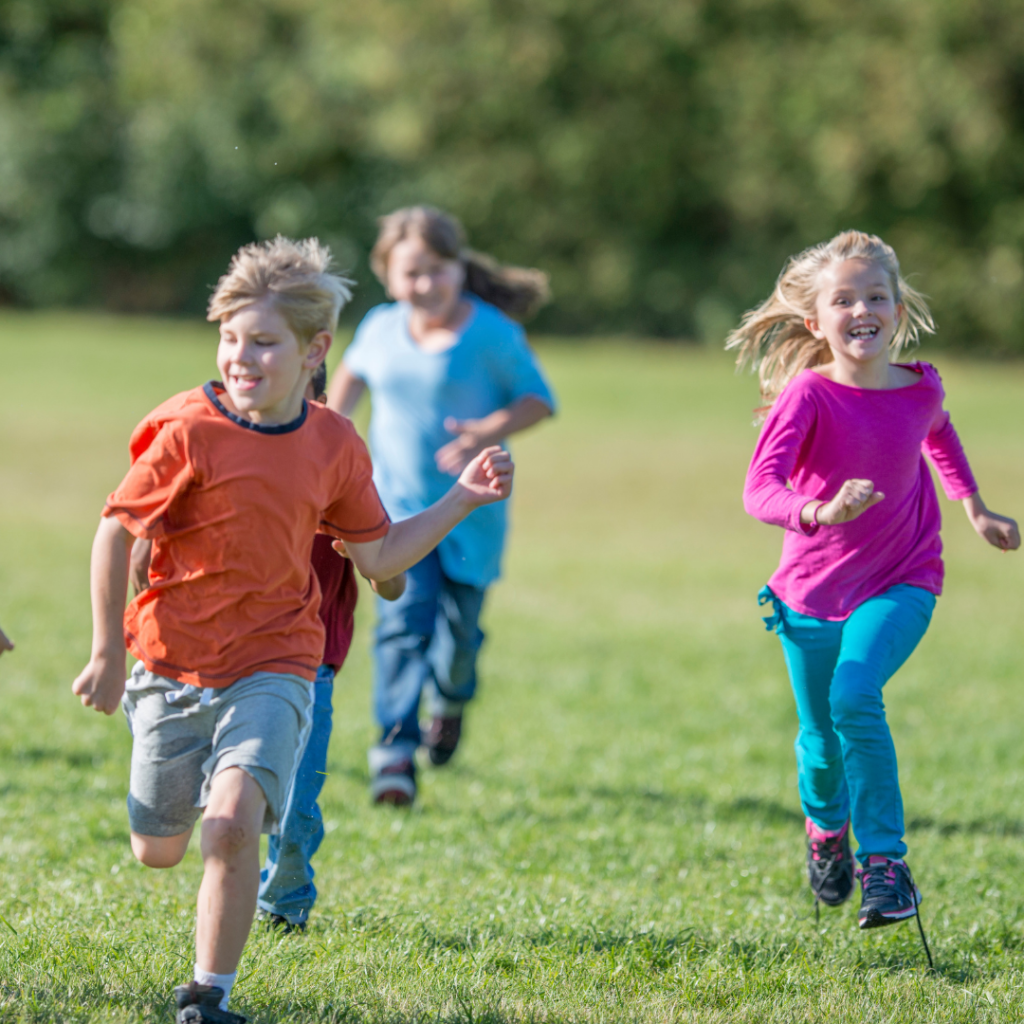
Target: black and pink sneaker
(888, 893)
(829, 864)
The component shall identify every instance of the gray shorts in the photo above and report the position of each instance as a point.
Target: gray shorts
(182, 736)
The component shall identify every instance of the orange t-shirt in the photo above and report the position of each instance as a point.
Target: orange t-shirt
(232, 508)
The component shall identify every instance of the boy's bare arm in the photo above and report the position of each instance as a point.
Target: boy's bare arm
(487, 479)
(101, 683)
(390, 590)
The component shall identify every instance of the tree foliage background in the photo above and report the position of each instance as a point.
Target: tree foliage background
(659, 158)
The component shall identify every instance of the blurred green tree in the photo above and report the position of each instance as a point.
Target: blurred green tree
(659, 157)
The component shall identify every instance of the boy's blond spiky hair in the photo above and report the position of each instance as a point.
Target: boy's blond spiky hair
(298, 276)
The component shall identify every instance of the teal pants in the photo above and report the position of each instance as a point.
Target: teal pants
(846, 762)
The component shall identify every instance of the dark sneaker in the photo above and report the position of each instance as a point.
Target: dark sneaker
(442, 738)
(280, 923)
(829, 864)
(200, 1004)
(395, 784)
(888, 893)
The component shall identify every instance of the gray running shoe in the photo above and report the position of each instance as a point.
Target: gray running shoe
(888, 893)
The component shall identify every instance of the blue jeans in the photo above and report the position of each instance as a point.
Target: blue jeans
(426, 642)
(846, 761)
(286, 881)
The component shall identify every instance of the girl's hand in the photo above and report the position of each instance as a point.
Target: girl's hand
(339, 546)
(469, 442)
(488, 478)
(1000, 531)
(854, 498)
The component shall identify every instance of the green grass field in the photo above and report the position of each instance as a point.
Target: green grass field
(620, 837)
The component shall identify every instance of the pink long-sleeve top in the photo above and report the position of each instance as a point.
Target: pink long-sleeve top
(820, 434)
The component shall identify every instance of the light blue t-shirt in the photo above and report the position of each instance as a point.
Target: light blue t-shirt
(488, 368)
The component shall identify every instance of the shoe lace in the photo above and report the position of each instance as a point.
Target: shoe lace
(876, 879)
(827, 853)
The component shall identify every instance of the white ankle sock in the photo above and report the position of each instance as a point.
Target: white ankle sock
(222, 981)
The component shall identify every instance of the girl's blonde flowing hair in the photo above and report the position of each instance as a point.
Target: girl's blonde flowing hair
(773, 339)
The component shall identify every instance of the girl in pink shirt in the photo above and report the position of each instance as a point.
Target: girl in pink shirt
(840, 466)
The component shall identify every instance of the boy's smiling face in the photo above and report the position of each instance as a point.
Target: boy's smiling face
(263, 365)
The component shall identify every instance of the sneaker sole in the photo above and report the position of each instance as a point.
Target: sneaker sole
(876, 919)
(396, 790)
(833, 903)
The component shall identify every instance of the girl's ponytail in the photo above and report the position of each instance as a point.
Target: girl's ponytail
(516, 291)
(773, 339)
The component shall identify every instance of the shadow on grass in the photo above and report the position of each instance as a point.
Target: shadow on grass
(978, 826)
(590, 801)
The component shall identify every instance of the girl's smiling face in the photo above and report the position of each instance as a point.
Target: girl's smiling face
(418, 275)
(856, 311)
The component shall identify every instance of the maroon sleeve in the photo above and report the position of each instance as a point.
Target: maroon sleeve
(338, 602)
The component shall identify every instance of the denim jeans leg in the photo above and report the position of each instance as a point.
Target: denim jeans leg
(454, 649)
(286, 881)
(404, 630)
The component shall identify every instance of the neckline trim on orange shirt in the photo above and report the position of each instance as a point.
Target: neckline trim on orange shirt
(210, 390)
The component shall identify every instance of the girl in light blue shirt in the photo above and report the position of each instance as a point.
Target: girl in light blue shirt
(450, 373)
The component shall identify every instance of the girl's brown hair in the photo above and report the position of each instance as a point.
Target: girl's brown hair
(517, 291)
(773, 339)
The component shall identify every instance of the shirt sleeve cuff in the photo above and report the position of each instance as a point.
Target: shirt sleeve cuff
(135, 526)
(807, 529)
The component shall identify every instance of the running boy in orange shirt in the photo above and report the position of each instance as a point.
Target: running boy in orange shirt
(231, 481)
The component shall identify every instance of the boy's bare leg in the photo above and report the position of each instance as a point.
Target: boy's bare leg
(160, 851)
(230, 838)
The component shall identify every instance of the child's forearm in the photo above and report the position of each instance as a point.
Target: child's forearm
(109, 587)
(520, 415)
(1000, 531)
(411, 540)
(101, 683)
(390, 590)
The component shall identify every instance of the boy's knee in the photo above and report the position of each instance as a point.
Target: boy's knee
(224, 838)
(160, 851)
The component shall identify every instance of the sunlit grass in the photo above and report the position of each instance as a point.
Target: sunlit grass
(619, 838)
